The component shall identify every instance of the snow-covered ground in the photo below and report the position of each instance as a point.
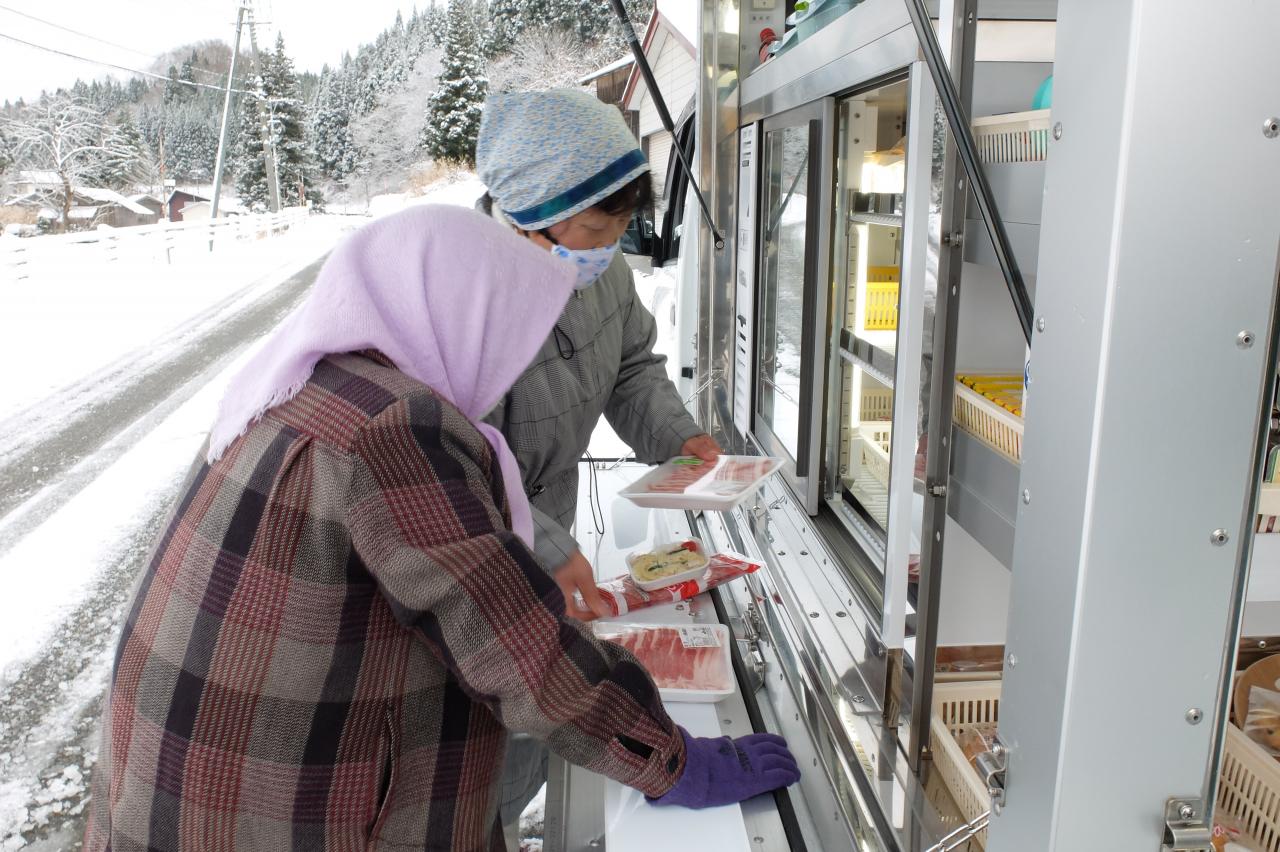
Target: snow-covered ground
(75, 338)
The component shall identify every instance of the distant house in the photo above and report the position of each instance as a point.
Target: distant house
(155, 205)
(668, 45)
(611, 84)
(197, 211)
(30, 181)
(90, 206)
(179, 199)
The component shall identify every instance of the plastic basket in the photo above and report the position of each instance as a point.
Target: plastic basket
(1268, 508)
(1018, 137)
(1248, 789)
(875, 449)
(877, 402)
(882, 298)
(958, 707)
(988, 421)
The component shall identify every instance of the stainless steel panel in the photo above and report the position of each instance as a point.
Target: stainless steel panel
(1115, 545)
(1019, 192)
(1024, 239)
(849, 35)
(983, 495)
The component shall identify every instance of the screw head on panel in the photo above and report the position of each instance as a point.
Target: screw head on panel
(1271, 127)
(1194, 716)
(1013, 661)
(1219, 537)
(1040, 324)
(1057, 130)
(1186, 813)
(1244, 339)
(1026, 496)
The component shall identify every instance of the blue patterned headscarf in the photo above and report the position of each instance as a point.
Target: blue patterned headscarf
(545, 156)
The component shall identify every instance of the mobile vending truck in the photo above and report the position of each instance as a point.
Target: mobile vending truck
(1015, 354)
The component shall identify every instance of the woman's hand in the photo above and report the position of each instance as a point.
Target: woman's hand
(702, 446)
(577, 575)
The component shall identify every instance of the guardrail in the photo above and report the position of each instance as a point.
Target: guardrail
(160, 243)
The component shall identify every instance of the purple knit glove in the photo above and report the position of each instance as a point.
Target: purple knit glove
(722, 771)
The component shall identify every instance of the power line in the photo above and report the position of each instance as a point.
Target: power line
(192, 83)
(93, 37)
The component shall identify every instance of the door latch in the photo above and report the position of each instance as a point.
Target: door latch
(992, 766)
(1185, 829)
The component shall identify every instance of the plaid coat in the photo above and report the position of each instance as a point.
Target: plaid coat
(334, 634)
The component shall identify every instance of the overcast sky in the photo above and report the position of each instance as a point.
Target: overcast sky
(314, 33)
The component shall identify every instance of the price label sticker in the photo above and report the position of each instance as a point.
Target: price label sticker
(699, 637)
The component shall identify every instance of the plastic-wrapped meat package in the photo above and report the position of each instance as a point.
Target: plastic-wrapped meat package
(622, 595)
(687, 662)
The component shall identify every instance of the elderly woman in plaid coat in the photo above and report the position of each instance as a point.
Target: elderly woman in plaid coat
(343, 617)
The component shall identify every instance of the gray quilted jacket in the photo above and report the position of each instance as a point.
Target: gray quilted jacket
(598, 360)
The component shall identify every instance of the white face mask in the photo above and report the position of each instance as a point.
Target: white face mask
(589, 263)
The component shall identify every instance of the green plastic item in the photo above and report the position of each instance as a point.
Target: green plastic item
(1044, 94)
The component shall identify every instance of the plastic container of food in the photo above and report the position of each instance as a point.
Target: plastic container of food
(688, 662)
(687, 482)
(668, 564)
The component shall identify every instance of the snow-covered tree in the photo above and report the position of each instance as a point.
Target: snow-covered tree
(6, 148)
(546, 57)
(70, 137)
(277, 107)
(387, 138)
(453, 110)
(329, 125)
(590, 21)
(437, 24)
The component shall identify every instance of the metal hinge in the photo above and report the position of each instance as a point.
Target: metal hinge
(991, 769)
(1185, 829)
(752, 629)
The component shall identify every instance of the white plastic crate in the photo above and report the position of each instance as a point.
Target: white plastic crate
(1017, 137)
(875, 449)
(1269, 509)
(1248, 789)
(994, 425)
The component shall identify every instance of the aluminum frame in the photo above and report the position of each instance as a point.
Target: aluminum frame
(1109, 551)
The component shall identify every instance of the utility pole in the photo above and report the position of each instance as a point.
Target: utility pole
(268, 129)
(226, 114)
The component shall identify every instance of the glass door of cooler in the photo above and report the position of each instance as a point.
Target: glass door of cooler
(880, 231)
(793, 236)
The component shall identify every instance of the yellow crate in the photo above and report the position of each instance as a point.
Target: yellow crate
(882, 298)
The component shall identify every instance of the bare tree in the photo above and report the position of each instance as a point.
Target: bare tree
(71, 138)
(546, 57)
(387, 137)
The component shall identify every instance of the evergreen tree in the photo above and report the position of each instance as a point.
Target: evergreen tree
(329, 127)
(453, 110)
(278, 107)
(437, 25)
(6, 147)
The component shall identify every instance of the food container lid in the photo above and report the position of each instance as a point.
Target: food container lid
(670, 579)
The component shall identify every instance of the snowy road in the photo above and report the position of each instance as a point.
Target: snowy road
(131, 427)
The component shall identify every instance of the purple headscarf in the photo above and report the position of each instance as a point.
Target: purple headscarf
(454, 299)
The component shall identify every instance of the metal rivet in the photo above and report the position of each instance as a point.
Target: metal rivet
(1271, 128)
(1013, 661)
(1026, 496)
(1219, 537)
(859, 699)
(840, 613)
(960, 184)
(757, 839)
(727, 721)
(1057, 130)
(1186, 813)
(804, 553)
(954, 290)
(815, 761)
(937, 536)
(1262, 644)
(1040, 324)
(1194, 715)
(1244, 339)
(782, 553)
(813, 615)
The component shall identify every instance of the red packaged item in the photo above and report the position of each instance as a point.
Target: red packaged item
(688, 662)
(622, 595)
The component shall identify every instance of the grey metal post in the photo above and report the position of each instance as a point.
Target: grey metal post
(1156, 333)
(268, 143)
(226, 115)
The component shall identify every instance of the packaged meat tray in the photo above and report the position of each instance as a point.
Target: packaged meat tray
(686, 482)
(668, 564)
(688, 662)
